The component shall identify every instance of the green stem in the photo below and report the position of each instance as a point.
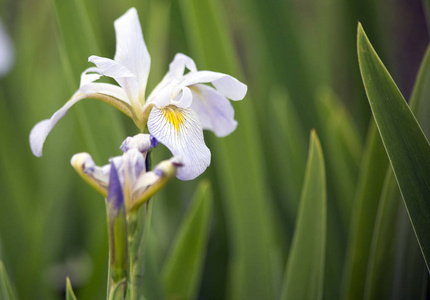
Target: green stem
(118, 254)
(139, 224)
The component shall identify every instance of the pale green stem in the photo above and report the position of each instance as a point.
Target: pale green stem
(139, 225)
(118, 253)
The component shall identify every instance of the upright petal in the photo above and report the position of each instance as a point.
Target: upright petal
(88, 86)
(226, 85)
(215, 112)
(178, 65)
(180, 130)
(131, 49)
(125, 78)
(172, 78)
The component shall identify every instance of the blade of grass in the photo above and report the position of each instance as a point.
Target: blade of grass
(304, 274)
(403, 138)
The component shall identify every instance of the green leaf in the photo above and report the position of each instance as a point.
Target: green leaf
(403, 138)
(420, 103)
(70, 295)
(237, 161)
(382, 274)
(343, 150)
(288, 140)
(394, 256)
(6, 290)
(183, 268)
(368, 193)
(304, 274)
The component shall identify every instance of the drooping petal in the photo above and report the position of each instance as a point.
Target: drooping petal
(131, 50)
(41, 130)
(125, 78)
(226, 85)
(97, 177)
(215, 112)
(180, 130)
(6, 51)
(151, 182)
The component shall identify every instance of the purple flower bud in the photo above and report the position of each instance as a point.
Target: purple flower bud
(115, 197)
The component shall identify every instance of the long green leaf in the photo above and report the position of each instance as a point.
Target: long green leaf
(403, 138)
(237, 161)
(372, 173)
(6, 290)
(183, 268)
(382, 275)
(304, 275)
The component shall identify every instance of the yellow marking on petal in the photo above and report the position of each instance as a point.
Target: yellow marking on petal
(174, 116)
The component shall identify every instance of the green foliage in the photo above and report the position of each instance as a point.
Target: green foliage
(300, 64)
(405, 143)
(183, 268)
(305, 268)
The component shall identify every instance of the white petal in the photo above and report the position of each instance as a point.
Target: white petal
(160, 95)
(88, 86)
(41, 130)
(6, 51)
(131, 49)
(215, 112)
(183, 99)
(143, 182)
(125, 78)
(226, 85)
(179, 129)
(177, 66)
(142, 142)
(134, 165)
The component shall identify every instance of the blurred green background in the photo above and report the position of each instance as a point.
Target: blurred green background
(299, 61)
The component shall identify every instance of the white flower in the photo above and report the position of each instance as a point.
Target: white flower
(177, 110)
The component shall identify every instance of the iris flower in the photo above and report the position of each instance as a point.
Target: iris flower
(126, 177)
(175, 112)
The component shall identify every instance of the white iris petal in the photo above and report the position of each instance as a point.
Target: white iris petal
(180, 130)
(214, 110)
